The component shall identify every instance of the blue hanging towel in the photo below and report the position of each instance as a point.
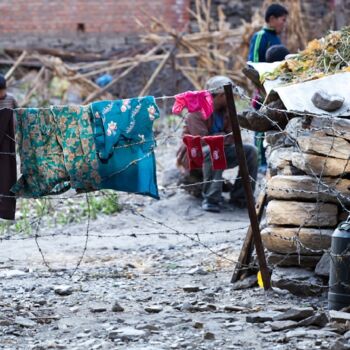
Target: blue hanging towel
(123, 132)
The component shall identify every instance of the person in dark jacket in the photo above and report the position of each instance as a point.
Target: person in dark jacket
(217, 124)
(275, 18)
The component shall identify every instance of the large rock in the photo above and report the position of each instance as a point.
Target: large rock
(319, 320)
(63, 290)
(339, 316)
(248, 282)
(323, 267)
(292, 260)
(295, 240)
(329, 146)
(301, 214)
(297, 281)
(282, 325)
(308, 187)
(296, 314)
(339, 127)
(262, 316)
(277, 139)
(323, 100)
(25, 322)
(280, 158)
(314, 165)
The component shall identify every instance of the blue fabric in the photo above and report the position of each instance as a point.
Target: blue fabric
(123, 132)
(104, 79)
(218, 124)
(266, 38)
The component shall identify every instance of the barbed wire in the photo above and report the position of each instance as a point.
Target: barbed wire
(122, 235)
(322, 188)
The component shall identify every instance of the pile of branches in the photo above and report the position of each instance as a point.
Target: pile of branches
(213, 49)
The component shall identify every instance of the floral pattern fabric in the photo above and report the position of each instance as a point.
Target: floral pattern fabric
(75, 135)
(42, 163)
(57, 151)
(123, 131)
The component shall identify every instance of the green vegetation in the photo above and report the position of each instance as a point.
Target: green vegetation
(59, 211)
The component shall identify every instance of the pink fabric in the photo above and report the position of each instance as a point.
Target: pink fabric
(195, 101)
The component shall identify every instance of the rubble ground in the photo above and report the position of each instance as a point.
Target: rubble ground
(151, 282)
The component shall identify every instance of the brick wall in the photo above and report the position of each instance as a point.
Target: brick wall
(93, 25)
(91, 16)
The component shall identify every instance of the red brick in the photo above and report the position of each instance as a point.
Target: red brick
(105, 16)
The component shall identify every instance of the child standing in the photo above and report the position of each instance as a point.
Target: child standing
(275, 18)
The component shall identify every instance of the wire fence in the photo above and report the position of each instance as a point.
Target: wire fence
(324, 192)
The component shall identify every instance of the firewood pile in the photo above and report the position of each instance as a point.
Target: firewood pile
(214, 48)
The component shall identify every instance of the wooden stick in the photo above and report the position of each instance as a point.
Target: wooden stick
(111, 68)
(30, 64)
(35, 86)
(245, 255)
(155, 73)
(99, 92)
(243, 169)
(17, 63)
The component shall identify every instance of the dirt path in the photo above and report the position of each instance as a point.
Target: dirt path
(144, 285)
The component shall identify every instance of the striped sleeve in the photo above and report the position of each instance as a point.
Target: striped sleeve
(257, 47)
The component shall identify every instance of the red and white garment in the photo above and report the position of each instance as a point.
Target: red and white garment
(194, 151)
(217, 151)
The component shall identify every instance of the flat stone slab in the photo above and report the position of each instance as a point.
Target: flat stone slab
(25, 322)
(323, 266)
(339, 316)
(63, 290)
(262, 316)
(319, 320)
(96, 308)
(282, 325)
(248, 282)
(310, 333)
(298, 281)
(153, 309)
(191, 289)
(127, 333)
(296, 314)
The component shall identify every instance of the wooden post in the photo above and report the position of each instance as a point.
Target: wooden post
(245, 255)
(243, 168)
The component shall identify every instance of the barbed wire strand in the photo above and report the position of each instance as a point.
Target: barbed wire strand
(296, 240)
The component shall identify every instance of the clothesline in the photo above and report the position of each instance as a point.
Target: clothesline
(77, 147)
(158, 98)
(156, 139)
(238, 91)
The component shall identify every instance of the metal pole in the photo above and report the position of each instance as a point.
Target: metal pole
(242, 162)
